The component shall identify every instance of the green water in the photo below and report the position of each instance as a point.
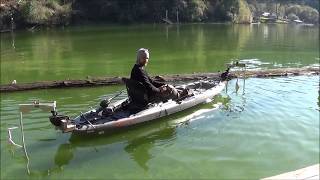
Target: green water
(78, 52)
(267, 127)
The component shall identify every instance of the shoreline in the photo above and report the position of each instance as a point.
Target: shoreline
(105, 24)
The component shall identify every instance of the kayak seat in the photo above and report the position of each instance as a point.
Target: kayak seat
(137, 94)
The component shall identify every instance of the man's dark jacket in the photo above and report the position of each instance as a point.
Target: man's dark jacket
(139, 74)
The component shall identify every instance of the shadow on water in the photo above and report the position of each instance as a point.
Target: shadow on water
(138, 140)
(142, 155)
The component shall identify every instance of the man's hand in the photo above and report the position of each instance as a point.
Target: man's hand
(163, 88)
(159, 78)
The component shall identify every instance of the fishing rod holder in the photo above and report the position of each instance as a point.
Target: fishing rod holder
(226, 76)
(243, 67)
(10, 139)
(26, 108)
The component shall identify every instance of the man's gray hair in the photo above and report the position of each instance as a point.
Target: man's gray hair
(141, 53)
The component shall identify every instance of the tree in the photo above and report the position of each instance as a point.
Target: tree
(292, 16)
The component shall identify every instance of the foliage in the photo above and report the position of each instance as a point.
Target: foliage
(48, 12)
(197, 10)
(293, 16)
(312, 3)
(305, 13)
(7, 11)
(244, 15)
(45, 12)
(154, 11)
(223, 10)
(296, 9)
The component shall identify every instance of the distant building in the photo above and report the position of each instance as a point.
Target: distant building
(298, 21)
(265, 14)
(273, 16)
(267, 17)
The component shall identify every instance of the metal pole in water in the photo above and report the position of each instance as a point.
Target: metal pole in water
(24, 144)
(227, 86)
(244, 79)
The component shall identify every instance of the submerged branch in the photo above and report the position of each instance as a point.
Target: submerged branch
(105, 81)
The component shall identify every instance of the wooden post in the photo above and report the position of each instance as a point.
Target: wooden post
(177, 16)
(166, 14)
(277, 10)
(12, 33)
(12, 22)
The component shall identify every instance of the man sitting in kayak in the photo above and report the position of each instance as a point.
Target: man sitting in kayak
(157, 91)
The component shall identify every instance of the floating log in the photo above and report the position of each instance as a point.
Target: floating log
(105, 81)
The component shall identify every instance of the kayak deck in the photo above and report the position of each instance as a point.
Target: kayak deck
(92, 121)
(127, 112)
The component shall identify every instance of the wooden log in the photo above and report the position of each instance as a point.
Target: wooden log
(60, 84)
(105, 81)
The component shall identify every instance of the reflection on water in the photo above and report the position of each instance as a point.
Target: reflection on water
(12, 40)
(75, 53)
(63, 155)
(265, 32)
(139, 148)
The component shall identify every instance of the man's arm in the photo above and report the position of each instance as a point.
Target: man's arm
(156, 83)
(147, 83)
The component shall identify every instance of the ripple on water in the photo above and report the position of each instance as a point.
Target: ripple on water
(275, 115)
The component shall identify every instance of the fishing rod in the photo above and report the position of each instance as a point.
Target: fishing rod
(105, 103)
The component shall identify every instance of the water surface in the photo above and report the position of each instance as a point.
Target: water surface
(268, 127)
(108, 50)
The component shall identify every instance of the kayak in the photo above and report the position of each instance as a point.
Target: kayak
(123, 113)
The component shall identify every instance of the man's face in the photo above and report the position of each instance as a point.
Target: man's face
(145, 59)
